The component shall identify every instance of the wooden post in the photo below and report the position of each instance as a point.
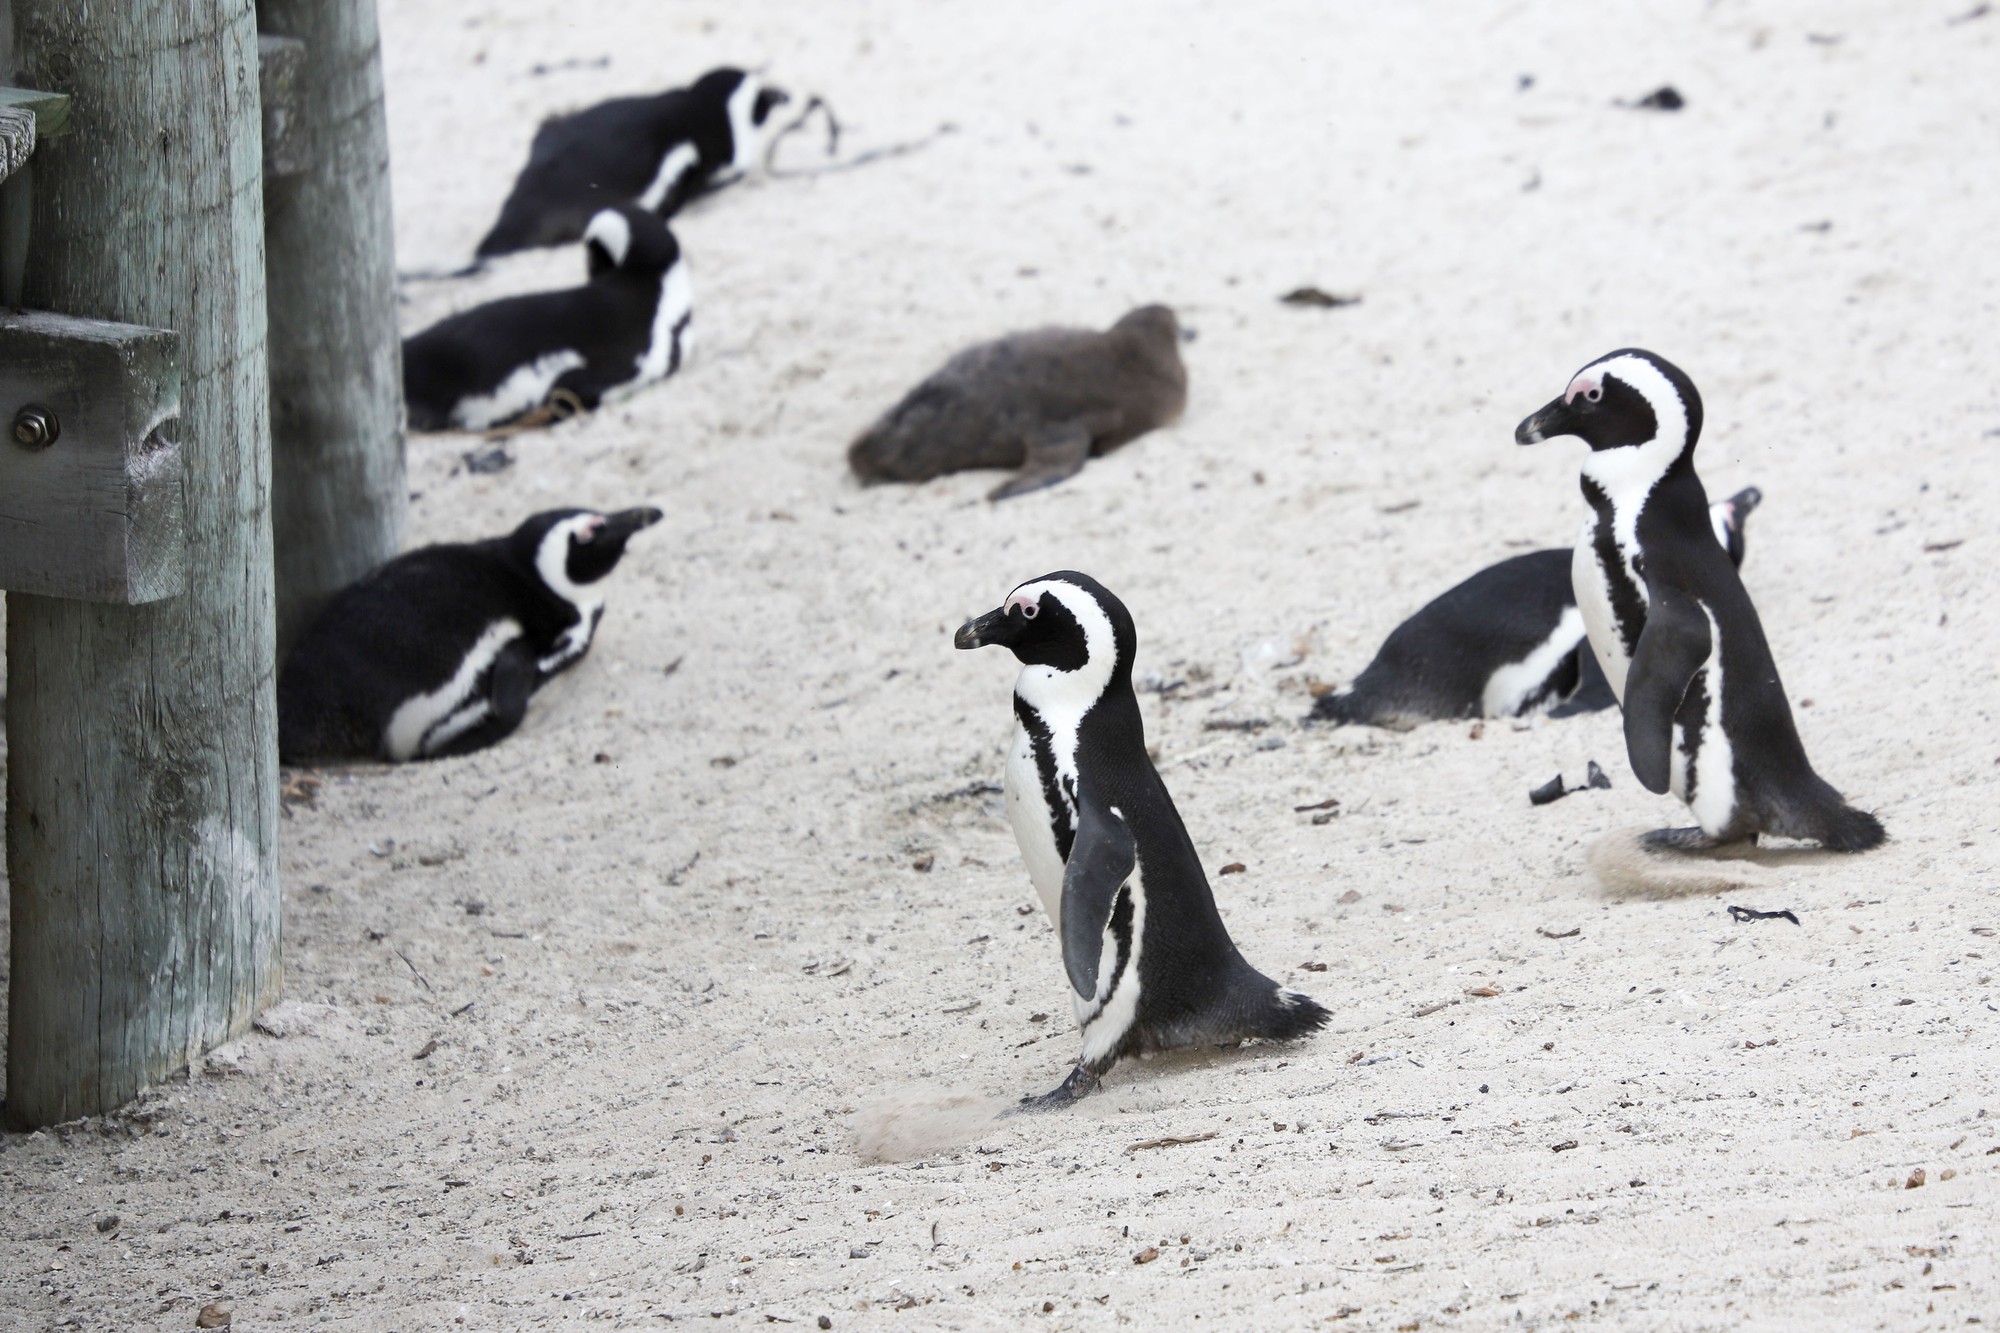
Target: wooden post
(142, 793)
(338, 494)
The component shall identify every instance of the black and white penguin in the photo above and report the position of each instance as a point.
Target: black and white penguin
(436, 652)
(657, 152)
(1505, 642)
(1671, 625)
(626, 327)
(1151, 966)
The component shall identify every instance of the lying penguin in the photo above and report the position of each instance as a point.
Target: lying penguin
(1151, 966)
(658, 152)
(1043, 402)
(626, 327)
(1671, 625)
(436, 652)
(1507, 641)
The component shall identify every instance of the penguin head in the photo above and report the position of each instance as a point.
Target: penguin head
(1065, 627)
(1727, 518)
(1630, 399)
(627, 238)
(739, 110)
(571, 548)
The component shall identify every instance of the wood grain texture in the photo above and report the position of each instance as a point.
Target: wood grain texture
(339, 498)
(97, 515)
(142, 747)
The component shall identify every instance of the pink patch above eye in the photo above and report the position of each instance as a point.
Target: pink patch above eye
(1581, 384)
(1030, 606)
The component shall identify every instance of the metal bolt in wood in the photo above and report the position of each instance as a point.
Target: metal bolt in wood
(36, 427)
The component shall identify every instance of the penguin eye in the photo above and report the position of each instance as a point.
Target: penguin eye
(587, 533)
(1593, 394)
(1029, 610)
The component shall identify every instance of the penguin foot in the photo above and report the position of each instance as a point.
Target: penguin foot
(1080, 1084)
(1687, 840)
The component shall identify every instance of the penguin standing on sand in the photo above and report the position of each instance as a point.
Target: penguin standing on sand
(1503, 643)
(1151, 966)
(1669, 622)
(626, 327)
(657, 152)
(436, 652)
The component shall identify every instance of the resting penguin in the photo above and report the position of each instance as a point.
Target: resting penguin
(1668, 619)
(1149, 962)
(1043, 402)
(1505, 642)
(626, 327)
(658, 152)
(436, 652)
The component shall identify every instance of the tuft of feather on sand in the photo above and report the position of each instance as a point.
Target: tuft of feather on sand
(1624, 868)
(922, 1121)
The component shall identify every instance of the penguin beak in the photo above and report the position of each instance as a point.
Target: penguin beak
(621, 525)
(1549, 423)
(996, 626)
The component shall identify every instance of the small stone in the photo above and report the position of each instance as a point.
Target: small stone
(107, 1224)
(1147, 1255)
(1916, 1180)
(857, 1252)
(824, 1322)
(214, 1315)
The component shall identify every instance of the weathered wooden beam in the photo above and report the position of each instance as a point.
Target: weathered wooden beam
(90, 473)
(339, 497)
(281, 67)
(142, 790)
(50, 110)
(17, 139)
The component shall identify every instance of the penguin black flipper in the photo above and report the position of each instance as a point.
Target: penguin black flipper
(1672, 648)
(1100, 861)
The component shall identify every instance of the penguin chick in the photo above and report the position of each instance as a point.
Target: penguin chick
(1503, 643)
(1043, 401)
(627, 326)
(1671, 625)
(436, 652)
(1150, 965)
(658, 152)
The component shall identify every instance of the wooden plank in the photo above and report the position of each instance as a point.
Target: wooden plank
(17, 139)
(142, 785)
(97, 514)
(50, 110)
(281, 68)
(339, 497)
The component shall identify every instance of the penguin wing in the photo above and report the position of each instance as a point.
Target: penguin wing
(1674, 645)
(1100, 861)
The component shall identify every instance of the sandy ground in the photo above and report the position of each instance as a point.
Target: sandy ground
(588, 1026)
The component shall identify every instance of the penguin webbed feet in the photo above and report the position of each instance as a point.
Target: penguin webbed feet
(1690, 840)
(1080, 1084)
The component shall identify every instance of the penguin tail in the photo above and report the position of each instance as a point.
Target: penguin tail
(1845, 829)
(1292, 1015)
(1340, 708)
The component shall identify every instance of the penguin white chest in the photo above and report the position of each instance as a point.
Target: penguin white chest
(1034, 824)
(1703, 772)
(1592, 582)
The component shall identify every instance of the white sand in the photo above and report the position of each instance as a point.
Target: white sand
(698, 954)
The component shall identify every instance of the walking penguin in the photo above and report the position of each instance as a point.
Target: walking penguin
(1671, 625)
(1504, 643)
(657, 152)
(1150, 965)
(626, 327)
(436, 652)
